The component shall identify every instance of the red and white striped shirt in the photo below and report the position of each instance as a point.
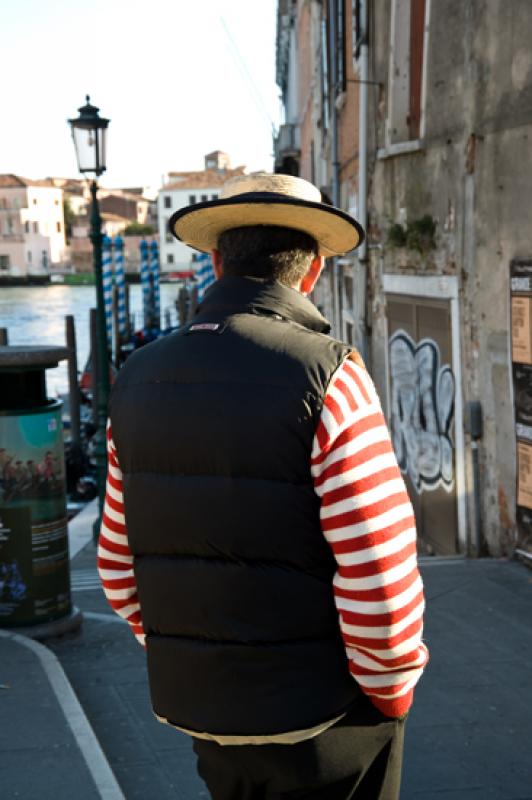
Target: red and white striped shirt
(366, 517)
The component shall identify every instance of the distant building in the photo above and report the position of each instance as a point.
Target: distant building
(124, 203)
(185, 188)
(32, 228)
(136, 204)
(112, 225)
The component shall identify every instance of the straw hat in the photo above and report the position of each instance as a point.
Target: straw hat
(266, 199)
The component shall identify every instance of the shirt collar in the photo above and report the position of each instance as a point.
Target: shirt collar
(233, 294)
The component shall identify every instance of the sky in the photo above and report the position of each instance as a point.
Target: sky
(177, 78)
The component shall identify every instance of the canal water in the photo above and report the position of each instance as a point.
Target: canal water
(36, 315)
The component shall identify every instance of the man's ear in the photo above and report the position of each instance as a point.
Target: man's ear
(217, 264)
(314, 271)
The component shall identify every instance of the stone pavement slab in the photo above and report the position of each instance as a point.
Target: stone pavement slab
(470, 731)
(107, 668)
(39, 755)
(468, 735)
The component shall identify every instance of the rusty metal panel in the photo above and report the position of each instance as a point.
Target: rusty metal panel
(422, 391)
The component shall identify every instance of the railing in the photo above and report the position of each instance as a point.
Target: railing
(11, 237)
(287, 141)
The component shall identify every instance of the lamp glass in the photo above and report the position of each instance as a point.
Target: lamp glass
(89, 133)
(85, 142)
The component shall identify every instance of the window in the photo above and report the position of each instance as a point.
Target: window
(324, 76)
(34, 201)
(168, 236)
(35, 227)
(27, 226)
(349, 333)
(170, 258)
(204, 198)
(9, 225)
(29, 256)
(4, 262)
(214, 197)
(58, 226)
(348, 288)
(56, 202)
(341, 78)
(191, 199)
(356, 33)
(167, 201)
(406, 71)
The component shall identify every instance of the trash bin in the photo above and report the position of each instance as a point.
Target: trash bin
(34, 562)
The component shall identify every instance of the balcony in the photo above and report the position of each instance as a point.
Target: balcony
(11, 237)
(287, 149)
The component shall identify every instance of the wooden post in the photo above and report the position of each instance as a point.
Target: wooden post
(94, 366)
(73, 385)
(181, 306)
(193, 303)
(116, 331)
(130, 326)
(4, 338)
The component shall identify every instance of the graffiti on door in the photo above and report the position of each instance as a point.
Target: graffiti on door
(422, 411)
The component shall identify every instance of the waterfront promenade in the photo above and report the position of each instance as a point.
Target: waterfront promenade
(468, 736)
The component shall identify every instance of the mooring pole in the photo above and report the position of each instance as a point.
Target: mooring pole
(73, 385)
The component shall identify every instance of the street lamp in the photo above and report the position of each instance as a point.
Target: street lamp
(89, 132)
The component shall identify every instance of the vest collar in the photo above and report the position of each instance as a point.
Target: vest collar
(234, 295)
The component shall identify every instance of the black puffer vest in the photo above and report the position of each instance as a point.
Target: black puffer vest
(213, 428)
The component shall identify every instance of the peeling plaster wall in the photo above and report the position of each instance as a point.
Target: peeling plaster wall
(473, 175)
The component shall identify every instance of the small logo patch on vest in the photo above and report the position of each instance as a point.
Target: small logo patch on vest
(206, 327)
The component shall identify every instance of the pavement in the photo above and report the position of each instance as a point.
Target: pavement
(76, 720)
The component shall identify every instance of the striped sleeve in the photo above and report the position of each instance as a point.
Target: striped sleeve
(367, 518)
(115, 561)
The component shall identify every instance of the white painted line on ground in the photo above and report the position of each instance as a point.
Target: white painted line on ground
(80, 528)
(78, 723)
(441, 561)
(85, 581)
(102, 617)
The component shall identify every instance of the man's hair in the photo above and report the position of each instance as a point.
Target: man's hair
(267, 251)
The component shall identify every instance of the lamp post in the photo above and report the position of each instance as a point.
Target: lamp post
(89, 133)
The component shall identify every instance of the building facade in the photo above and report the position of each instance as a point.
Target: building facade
(434, 139)
(185, 188)
(32, 229)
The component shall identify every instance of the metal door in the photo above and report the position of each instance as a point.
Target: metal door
(422, 409)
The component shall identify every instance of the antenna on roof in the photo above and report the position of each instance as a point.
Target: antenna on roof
(245, 71)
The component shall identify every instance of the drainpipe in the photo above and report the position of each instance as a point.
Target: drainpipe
(331, 12)
(474, 427)
(360, 287)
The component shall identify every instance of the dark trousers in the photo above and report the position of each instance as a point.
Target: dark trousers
(358, 758)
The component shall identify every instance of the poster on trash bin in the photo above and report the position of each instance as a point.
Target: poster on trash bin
(16, 568)
(34, 574)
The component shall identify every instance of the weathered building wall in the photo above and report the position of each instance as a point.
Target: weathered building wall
(472, 174)
(304, 55)
(348, 126)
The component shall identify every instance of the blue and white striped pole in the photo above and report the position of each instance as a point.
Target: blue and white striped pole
(107, 281)
(204, 274)
(156, 297)
(145, 282)
(120, 279)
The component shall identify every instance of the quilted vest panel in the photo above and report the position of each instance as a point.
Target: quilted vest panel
(213, 428)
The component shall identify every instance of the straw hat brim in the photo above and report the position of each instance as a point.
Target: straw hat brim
(200, 225)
